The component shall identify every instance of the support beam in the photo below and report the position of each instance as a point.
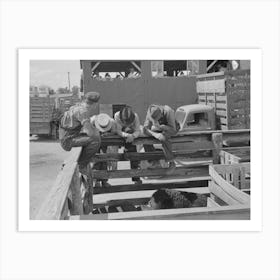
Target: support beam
(217, 139)
(155, 186)
(211, 65)
(136, 66)
(95, 66)
(189, 172)
(195, 155)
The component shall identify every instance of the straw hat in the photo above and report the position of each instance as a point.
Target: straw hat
(103, 122)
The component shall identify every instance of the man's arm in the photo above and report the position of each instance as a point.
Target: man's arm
(170, 128)
(148, 124)
(89, 129)
(137, 130)
(118, 126)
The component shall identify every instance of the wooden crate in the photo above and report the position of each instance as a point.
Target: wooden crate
(229, 93)
(230, 183)
(235, 155)
(40, 110)
(66, 102)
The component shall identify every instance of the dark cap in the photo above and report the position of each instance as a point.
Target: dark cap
(92, 97)
(126, 115)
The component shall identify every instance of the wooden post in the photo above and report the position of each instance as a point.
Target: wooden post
(146, 67)
(217, 139)
(76, 194)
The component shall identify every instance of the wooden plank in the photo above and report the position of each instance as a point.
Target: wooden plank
(227, 187)
(233, 212)
(219, 192)
(230, 167)
(190, 171)
(217, 139)
(221, 113)
(65, 211)
(152, 186)
(221, 106)
(52, 207)
(211, 65)
(221, 98)
(212, 203)
(210, 75)
(136, 66)
(150, 156)
(224, 121)
(95, 66)
(181, 137)
(213, 86)
(75, 188)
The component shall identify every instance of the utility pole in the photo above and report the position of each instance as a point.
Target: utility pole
(69, 81)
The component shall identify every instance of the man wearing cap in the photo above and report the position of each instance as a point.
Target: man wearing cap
(106, 126)
(128, 127)
(160, 123)
(77, 131)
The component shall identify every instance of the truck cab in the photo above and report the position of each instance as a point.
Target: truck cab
(195, 117)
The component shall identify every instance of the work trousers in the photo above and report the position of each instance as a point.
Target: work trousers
(128, 147)
(167, 149)
(90, 146)
(102, 165)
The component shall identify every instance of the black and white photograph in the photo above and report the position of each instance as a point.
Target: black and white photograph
(140, 139)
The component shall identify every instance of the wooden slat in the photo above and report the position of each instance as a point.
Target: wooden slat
(217, 139)
(181, 137)
(221, 106)
(75, 189)
(227, 187)
(233, 212)
(183, 171)
(215, 75)
(212, 203)
(219, 192)
(221, 113)
(154, 186)
(151, 156)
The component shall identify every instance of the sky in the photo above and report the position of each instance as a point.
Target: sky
(53, 73)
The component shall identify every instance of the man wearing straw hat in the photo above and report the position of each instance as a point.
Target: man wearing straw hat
(106, 126)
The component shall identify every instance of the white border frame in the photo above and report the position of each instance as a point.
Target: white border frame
(24, 57)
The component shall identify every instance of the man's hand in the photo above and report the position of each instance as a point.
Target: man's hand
(159, 136)
(156, 127)
(129, 138)
(106, 134)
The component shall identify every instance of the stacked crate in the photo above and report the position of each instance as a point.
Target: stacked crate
(40, 114)
(229, 94)
(66, 102)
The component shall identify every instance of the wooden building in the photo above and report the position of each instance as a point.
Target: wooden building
(144, 88)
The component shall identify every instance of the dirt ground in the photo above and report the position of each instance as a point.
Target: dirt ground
(46, 157)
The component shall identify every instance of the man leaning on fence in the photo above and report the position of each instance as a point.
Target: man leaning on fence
(160, 123)
(128, 127)
(77, 131)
